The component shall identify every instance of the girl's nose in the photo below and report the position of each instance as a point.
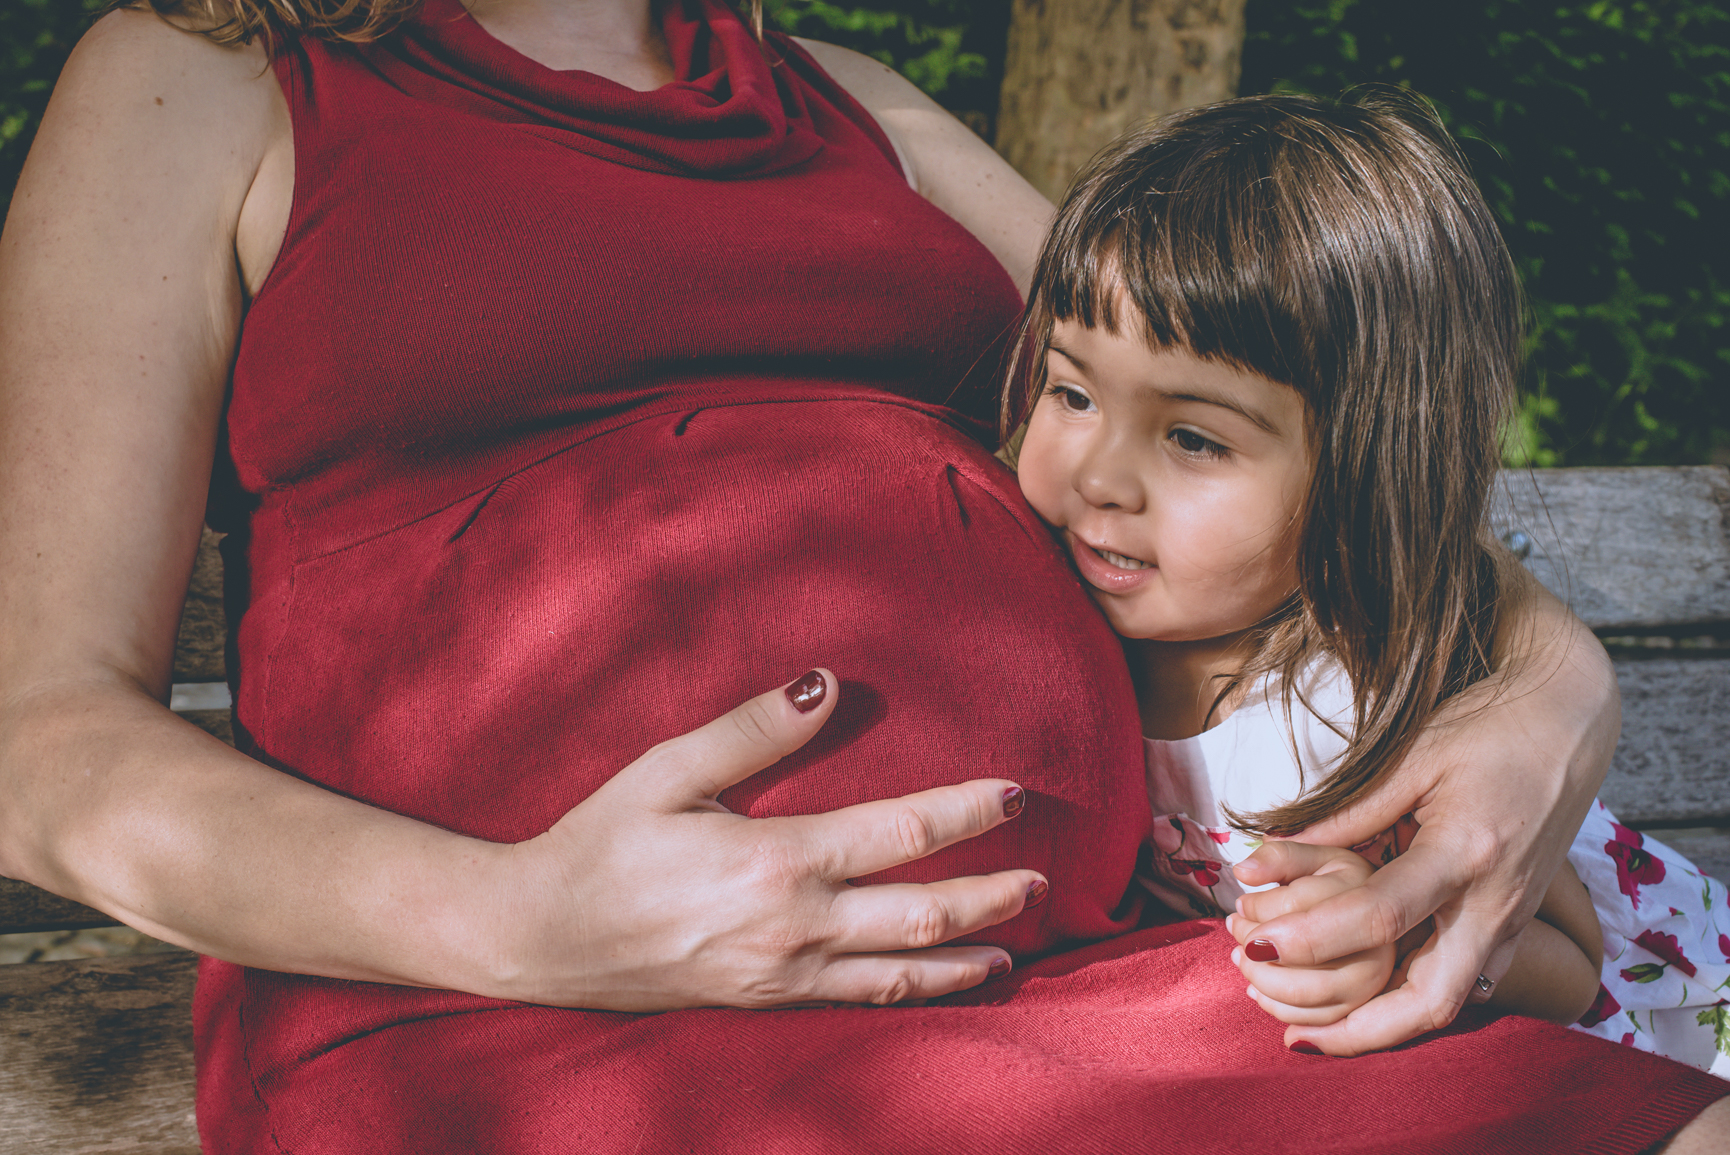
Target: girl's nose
(1107, 478)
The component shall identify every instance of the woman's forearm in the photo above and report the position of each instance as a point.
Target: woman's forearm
(648, 896)
(1555, 682)
(111, 800)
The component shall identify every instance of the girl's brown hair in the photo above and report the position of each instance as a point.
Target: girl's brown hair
(1342, 248)
(357, 21)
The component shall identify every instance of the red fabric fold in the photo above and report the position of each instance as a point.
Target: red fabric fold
(728, 113)
(1145, 1043)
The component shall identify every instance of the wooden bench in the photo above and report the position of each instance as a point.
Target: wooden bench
(97, 1055)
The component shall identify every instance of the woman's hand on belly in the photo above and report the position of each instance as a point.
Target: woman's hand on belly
(651, 895)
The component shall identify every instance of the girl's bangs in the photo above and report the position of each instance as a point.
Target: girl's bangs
(1196, 258)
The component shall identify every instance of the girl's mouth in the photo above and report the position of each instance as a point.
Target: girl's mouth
(1119, 560)
(1113, 573)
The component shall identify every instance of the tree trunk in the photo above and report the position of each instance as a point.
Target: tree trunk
(1079, 73)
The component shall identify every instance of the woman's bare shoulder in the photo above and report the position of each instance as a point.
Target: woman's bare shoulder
(157, 109)
(135, 73)
(130, 47)
(949, 165)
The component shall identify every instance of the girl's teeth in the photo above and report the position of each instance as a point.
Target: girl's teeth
(1120, 561)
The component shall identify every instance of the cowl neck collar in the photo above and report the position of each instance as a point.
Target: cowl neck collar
(727, 113)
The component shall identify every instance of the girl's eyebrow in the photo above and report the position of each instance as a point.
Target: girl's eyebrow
(1202, 398)
(1054, 347)
(1224, 402)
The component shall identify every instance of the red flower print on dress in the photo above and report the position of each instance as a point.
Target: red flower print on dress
(1172, 839)
(1603, 1007)
(1220, 836)
(1634, 867)
(1666, 947)
(1206, 873)
(1724, 946)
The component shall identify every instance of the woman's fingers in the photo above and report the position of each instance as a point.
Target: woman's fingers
(1396, 898)
(1393, 1018)
(769, 897)
(893, 978)
(693, 768)
(873, 836)
(912, 916)
(1435, 977)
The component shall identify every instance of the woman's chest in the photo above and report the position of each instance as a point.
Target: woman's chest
(448, 279)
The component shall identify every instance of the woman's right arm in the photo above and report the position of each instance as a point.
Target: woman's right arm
(121, 295)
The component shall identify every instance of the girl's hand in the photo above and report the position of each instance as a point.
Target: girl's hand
(651, 895)
(1500, 782)
(1315, 995)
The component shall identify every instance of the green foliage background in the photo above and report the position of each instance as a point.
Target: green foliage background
(1600, 132)
(35, 36)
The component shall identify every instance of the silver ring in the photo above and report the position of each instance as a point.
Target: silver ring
(1485, 985)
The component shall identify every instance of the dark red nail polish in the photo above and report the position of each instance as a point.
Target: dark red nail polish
(1013, 801)
(1304, 1048)
(808, 692)
(1260, 950)
(1036, 891)
(999, 968)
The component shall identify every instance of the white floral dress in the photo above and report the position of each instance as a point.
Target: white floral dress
(1666, 926)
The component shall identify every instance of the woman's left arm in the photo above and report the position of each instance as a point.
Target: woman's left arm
(946, 162)
(1500, 781)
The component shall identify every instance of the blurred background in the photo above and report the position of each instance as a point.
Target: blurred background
(1599, 131)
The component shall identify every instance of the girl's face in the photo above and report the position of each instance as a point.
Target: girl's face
(1177, 483)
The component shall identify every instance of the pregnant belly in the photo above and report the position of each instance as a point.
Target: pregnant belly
(488, 667)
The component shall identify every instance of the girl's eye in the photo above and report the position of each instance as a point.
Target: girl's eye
(1072, 399)
(1196, 445)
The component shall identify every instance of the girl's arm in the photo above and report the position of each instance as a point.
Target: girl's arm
(1500, 780)
(145, 208)
(1558, 958)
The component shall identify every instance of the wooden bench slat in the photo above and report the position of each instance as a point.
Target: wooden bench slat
(96, 1056)
(198, 651)
(1629, 549)
(25, 908)
(1673, 763)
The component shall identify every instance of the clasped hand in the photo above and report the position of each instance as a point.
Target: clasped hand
(1325, 992)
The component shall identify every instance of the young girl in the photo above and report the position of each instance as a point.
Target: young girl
(1274, 342)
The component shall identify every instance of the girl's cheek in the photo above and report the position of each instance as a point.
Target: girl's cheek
(1034, 472)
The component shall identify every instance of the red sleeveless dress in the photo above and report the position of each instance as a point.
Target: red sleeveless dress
(570, 417)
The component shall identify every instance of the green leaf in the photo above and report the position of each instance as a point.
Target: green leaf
(1718, 1018)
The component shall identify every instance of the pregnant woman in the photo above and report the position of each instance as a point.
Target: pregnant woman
(600, 365)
